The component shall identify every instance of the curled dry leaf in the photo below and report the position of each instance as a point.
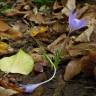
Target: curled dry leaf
(37, 30)
(57, 44)
(90, 16)
(37, 18)
(4, 26)
(5, 48)
(69, 7)
(73, 68)
(61, 44)
(85, 36)
(7, 32)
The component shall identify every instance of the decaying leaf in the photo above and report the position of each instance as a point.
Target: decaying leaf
(81, 49)
(37, 30)
(57, 6)
(57, 44)
(60, 44)
(37, 18)
(89, 63)
(69, 7)
(73, 68)
(4, 26)
(58, 27)
(19, 63)
(8, 32)
(86, 64)
(7, 92)
(4, 48)
(5, 83)
(90, 16)
(12, 34)
(85, 36)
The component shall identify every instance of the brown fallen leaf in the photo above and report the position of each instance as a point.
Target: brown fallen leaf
(5, 48)
(8, 32)
(61, 43)
(7, 92)
(58, 27)
(85, 36)
(81, 49)
(37, 57)
(89, 63)
(37, 18)
(39, 66)
(37, 30)
(73, 68)
(57, 6)
(9, 85)
(57, 44)
(12, 34)
(70, 6)
(3, 26)
(15, 34)
(87, 13)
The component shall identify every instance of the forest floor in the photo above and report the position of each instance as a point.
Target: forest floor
(65, 30)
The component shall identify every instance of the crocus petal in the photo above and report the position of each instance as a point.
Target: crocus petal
(74, 23)
(29, 87)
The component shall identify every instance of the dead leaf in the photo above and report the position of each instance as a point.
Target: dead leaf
(81, 49)
(12, 34)
(73, 68)
(37, 18)
(59, 28)
(89, 15)
(3, 26)
(5, 83)
(37, 30)
(85, 36)
(7, 92)
(57, 6)
(60, 44)
(8, 32)
(70, 6)
(5, 48)
(57, 44)
(19, 26)
(39, 66)
(89, 63)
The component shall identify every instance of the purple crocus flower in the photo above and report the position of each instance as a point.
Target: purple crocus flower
(29, 88)
(74, 23)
